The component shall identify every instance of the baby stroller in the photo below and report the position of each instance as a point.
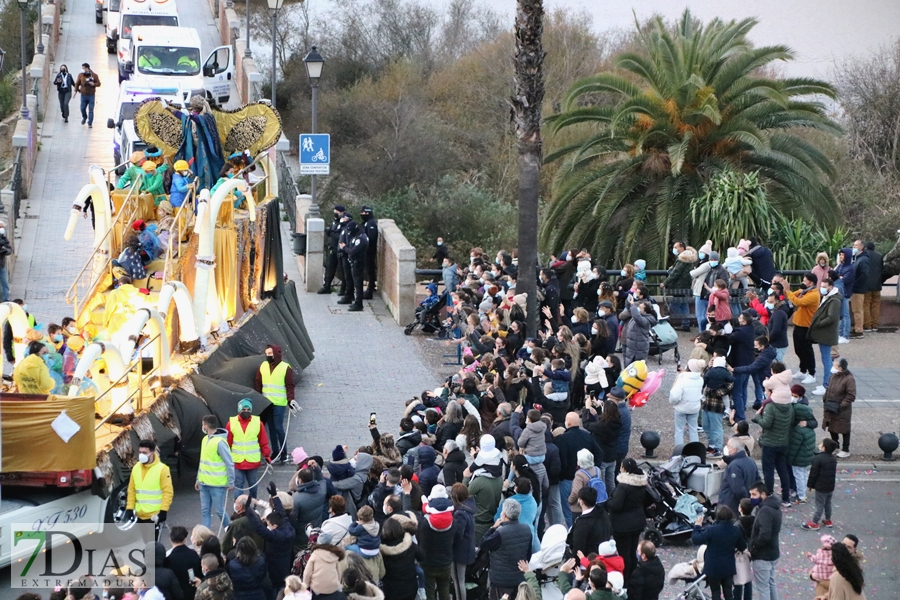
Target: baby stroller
(688, 464)
(428, 319)
(694, 591)
(663, 338)
(477, 576)
(664, 490)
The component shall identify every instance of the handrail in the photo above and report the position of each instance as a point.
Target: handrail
(181, 225)
(142, 376)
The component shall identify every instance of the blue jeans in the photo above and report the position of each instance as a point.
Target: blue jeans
(739, 396)
(825, 351)
(700, 306)
(844, 325)
(676, 309)
(683, 420)
(712, 426)
(764, 579)
(87, 109)
(212, 500)
(276, 430)
(4, 285)
(779, 353)
(244, 479)
(608, 470)
(565, 489)
(759, 392)
(554, 509)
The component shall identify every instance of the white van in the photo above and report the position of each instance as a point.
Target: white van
(162, 56)
(125, 138)
(133, 13)
(111, 21)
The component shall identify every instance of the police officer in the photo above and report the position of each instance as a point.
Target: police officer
(331, 249)
(370, 227)
(356, 256)
(344, 239)
(150, 490)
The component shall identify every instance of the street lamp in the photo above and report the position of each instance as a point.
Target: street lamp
(314, 64)
(23, 5)
(40, 44)
(247, 52)
(274, 7)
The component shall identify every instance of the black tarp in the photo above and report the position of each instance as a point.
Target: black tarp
(222, 397)
(272, 284)
(189, 410)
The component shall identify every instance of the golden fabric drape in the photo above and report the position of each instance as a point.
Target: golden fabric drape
(226, 270)
(25, 423)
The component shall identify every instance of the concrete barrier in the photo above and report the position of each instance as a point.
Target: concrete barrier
(396, 272)
(313, 267)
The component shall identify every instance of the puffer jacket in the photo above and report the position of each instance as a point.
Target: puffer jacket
(351, 488)
(637, 331)
(778, 385)
(687, 393)
(680, 276)
(776, 420)
(698, 277)
(531, 441)
(428, 471)
(464, 533)
(322, 573)
(847, 272)
(626, 504)
(802, 447)
(248, 580)
(824, 326)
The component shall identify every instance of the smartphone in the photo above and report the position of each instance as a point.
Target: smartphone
(371, 418)
(190, 574)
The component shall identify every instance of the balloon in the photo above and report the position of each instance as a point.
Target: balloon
(639, 399)
(632, 377)
(653, 381)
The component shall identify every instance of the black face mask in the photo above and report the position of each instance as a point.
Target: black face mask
(337, 216)
(271, 359)
(245, 415)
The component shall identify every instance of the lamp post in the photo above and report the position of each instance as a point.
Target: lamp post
(314, 64)
(247, 52)
(274, 7)
(23, 5)
(40, 44)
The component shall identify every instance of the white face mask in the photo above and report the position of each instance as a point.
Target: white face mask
(835, 370)
(2, 231)
(770, 305)
(144, 458)
(574, 319)
(237, 508)
(594, 331)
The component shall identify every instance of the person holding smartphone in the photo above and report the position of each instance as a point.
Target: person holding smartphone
(87, 83)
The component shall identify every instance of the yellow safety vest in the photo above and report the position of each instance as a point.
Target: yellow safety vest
(148, 493)
(213, 470)
(245, 444)
(273, 383)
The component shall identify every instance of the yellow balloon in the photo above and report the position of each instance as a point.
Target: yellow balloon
(632, 377)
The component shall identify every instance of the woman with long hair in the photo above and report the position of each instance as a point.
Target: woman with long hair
(602, 343)
(247, 571)
(606, 292)
(847, 581)
(623, 286)
(470, 433)
(450, 424)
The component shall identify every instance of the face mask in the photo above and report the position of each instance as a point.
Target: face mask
(823, 291)
(2, 231)
(770, 293)
(835, 370)
(822, 263)
(702, 255)
(755, 501)
(769, 305)
(144, 458)
(855, 251)
(25, 307)
(574, 319)
(714, 263)
(594, 331)
(271, 359)
(353, 462)
(58, 337)
(245, 415)
(622, 272)
(85, 71)
(529, 349)
(440, 243)
(795, 399)
(674, 251)
(237, 508)
(726, 451)
(73, 330)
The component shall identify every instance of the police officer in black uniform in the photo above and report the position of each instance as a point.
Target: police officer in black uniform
(355, 250)
(332, 262)
(346, 292)
(370, 227)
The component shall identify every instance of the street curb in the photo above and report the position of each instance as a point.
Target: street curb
(875, 465)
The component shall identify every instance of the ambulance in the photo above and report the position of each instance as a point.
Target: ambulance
(134, 13)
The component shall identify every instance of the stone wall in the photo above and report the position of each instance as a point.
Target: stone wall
(396, 272)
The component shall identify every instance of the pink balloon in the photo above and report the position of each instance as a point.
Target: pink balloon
(639, 399)
(653, 381)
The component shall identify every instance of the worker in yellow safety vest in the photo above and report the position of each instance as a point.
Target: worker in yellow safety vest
(275, 381)
(216, 475)
(249, 446)
(150, 490)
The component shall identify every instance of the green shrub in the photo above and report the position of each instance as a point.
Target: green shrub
(9, 97)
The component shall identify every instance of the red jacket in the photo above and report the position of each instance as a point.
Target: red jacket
(761, 310)
(263, 444)
(720, 300)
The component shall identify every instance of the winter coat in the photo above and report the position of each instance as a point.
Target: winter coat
(766, 528)
(309, 508)
(166, 580)
(367, 536)
(531, 441)
(351, 489)
(551, 461)
(335, 529)
(606, 434)
(508, 543)
(626, 504)
(863, 270)
(216, 585)
(322, 573)
(428, 471)
(647, 580)
(625, 433)
(279, 542)
(720, 302)
(805, 305)
(778, 386)
(687, 393)
(722, 539)
(821, 272)
(802, 447)
(824, 326)
(590, 530)
(637, 331)
(776, 420)
(454, 465)
(582, 477)
(464, 533)
(698, 278)
(680, 276)
(847, 272)
(399, 579)
(876, 266)
(180, 560)
(840, 589)
(778, 326)
(741, 341)
(527, 516)
(569, 443)
(247, 580)
(408, 440)
(488, 492)
(842, 389)
(372, 593)
(740, 473)
(822, 473)
(761, 366)
(763, 263)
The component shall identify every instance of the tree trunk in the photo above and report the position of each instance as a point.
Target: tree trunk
(526, 114)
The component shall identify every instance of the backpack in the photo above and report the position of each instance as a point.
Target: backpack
(596, 482)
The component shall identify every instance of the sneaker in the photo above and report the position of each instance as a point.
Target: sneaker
(807, 379)
(854, 334)
(809, 525)
(699, 429)
(842, 454)
(865, 330)
(786, 505)
(828, 524)
(799, 375)
(843, 340)
(819, 391)
(800, 500)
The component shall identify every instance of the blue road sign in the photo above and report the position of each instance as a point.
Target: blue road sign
(315, 154)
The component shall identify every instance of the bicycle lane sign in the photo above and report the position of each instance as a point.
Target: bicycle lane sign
(315, 154)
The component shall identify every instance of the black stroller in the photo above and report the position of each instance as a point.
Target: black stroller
(667, 484)
(429, 319)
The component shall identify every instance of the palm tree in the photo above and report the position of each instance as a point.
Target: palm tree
(689, 104)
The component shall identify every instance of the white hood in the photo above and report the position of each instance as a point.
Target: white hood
(553, 546)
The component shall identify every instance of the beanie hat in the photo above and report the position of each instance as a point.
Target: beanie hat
(245, 403)
(616, 581)
(438, 509)
(827, 541)
(338, 453)
(299, 455)
(798, 390)
(640, 264)
(706, 248)
(696, 365)
(713, 255)
(487, 451)
(607, 548)
(137, 225)
(719, 361)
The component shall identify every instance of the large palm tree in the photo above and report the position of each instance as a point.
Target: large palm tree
(690, 103)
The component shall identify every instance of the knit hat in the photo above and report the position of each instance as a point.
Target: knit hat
(745, 246)
(607, 548)
(798, 390)
(640, 264)
(618, 393)
(713, 255)
(245, 403)
(719, 361)
(340, 208)
(521, 300)
(616, 581)
(438, 509)
(487, 451)
(696, 365)
(299, 455)
(338, 453)
(706, 248)
(827, 541)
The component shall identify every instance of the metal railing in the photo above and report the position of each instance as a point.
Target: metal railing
(183, 221)
(139, 391)
(287, 190)
(16, 185)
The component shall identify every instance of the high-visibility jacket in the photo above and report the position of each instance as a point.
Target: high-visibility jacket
(273, 383)
(150, 489)
(213, 470)
(245, 444)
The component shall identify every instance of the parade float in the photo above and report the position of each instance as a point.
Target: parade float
(161, 352)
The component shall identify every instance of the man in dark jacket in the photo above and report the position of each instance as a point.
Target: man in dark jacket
(592, 527)
(310, 500)
(409, 436)
(861, 264)
(435, 538)
(239, 526)
(551, 296)
(678, 283)
(181, 559)
(763, 269)
(740, 473)
(764, 547)
(553, 508)
(758, 370)
(618, 395)
(508, 542)
(569, 443)
(872, 300)
(500, 426)
(279, 540)
(332, 260)
(166, 580)
(607, 312)
(649, 576)
(370, 228)
(741, 355)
